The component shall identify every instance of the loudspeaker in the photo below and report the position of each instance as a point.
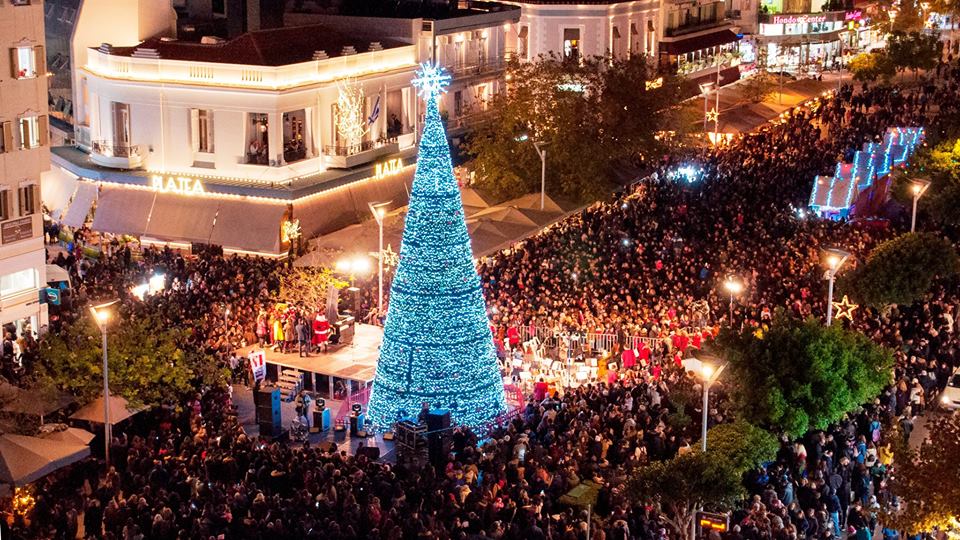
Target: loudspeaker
(267, 401)
(371, 452)
(438, 435)
(356, 424)
(321, 420)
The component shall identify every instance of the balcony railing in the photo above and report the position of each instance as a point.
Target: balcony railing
(695, 25)
(488, 65)
(345, 157)
(114, 149)
(354, 149)
(116, 155)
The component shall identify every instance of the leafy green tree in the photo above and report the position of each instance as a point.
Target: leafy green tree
(902, 270)
(149, 362)
(685, 483)
(871, 66)
(307, 286)
(940, 164)
(908, 17)
(914, 50)
(742, 445)
(799, 375)
(925, 480)
(588, 116)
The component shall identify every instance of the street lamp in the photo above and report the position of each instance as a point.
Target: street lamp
(733, 286)
(709, 375)
(918, 187)
(379, 211)
(705, 90)
(101, 315)
(834, 258)
(542, 152)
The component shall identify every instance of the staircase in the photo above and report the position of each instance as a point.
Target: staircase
(290, 382)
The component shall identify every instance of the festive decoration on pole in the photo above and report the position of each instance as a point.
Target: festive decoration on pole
(844, 308)
(351, 120)
(437, 345)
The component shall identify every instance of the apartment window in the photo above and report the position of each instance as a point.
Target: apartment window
(202, 130)
(4, 204)
(18, 282)
(571, 43)
(6, 137)
(219, 7)
(27, 61)
(27, 195)
(522, 42)
(33, 131)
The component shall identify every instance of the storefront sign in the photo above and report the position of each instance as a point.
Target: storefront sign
(799, 19)
(387, 168)
(853, 15)
(16, 230)
(181, 185)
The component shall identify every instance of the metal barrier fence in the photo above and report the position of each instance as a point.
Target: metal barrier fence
(593, 342)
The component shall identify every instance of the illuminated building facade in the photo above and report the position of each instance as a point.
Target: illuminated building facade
(24, 155)
(222, 141)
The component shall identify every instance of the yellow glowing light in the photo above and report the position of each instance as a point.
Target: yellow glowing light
(733, 286)
(181, 185)
(387, 168)
(833, 261)
(844, 308)
(707, 371)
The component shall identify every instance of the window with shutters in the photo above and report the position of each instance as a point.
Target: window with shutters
(30, 132)
(27, 196)
(6, 137)
(4, 204)
(27, 61)
(202, 120)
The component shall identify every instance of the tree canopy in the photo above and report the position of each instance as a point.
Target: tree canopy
(588, 116)
(901, 270)
(148, 362)
(913, 50)
(925, 480)
(742, 445)
(872, 66)
(799, 375)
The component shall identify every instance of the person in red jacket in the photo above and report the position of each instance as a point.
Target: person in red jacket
(321, 332)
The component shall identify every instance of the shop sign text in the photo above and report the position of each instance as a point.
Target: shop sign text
(387, 168)
(181, 185)
(799, 19)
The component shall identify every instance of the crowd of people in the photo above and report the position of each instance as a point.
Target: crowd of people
(643, 264)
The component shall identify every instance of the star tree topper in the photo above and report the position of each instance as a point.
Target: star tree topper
(845, 308)
(432, 80)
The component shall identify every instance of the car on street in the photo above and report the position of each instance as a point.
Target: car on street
(950, 398)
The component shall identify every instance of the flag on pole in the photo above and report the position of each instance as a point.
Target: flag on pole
(376, 112)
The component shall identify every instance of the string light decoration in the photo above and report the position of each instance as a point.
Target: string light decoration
(437, 345)
(351, 120)
(844, 309)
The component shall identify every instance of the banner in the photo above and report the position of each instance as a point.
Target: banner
(258, 364)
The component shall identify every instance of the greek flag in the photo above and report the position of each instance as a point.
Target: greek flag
(376, 112)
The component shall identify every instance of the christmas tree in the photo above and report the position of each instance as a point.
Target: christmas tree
(437, 345)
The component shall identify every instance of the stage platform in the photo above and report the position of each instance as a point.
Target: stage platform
(354, 363)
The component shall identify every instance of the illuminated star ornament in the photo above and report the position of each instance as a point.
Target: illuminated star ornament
(432, 81)
(713, 115)
(845, 308)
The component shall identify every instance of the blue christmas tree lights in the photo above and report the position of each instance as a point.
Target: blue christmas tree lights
(437, 345)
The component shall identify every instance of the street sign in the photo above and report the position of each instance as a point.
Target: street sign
(710, 521)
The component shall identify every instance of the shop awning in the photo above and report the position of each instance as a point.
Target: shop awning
(248, 225)
(83, 199)
(182, 218)
(696, 43)
(122, 210)
(56, 188)
(27, 459)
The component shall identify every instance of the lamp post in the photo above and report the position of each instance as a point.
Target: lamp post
(101, 315)
(733, 286)
(379, 210)
(835, 259)
(709, 374)
(918, 187)
(542, 152)
(705, 89)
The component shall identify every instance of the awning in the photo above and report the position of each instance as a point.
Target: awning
(56, 188)
(83, 199)
(182, 218)
(248, 225)
(93, 412)
(57, 274)
(27, 459)
(696, 43)
(123, 210)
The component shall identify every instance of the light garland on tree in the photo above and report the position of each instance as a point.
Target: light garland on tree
(351, 120)
(437, 345)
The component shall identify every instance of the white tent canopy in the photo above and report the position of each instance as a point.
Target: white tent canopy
(27, 459)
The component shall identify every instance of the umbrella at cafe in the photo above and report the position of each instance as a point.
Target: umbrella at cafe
(27, 459)
(93, 412)
(70, 436)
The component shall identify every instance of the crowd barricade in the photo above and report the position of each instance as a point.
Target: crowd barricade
(652, 343)
(594, 342)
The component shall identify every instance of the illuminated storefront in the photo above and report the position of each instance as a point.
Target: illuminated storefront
(807, 42)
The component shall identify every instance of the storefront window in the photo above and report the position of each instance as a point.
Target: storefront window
(18, 282)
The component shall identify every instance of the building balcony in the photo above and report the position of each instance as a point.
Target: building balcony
(485, 67)
(347, 157)
(116, 155)
(695, 25)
